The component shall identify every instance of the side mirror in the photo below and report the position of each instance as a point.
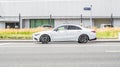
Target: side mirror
(56, 30)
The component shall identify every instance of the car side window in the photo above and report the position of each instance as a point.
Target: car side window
(61, 28)
(73, 28)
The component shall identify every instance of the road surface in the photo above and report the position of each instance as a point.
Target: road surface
(65, 54)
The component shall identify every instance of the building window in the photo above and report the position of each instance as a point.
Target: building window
(11, 25)
(40, 22)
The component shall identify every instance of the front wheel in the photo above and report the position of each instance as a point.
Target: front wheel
(44, 39)
(83, 39)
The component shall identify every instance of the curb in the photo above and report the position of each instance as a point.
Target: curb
(16, 41)
(107, 41)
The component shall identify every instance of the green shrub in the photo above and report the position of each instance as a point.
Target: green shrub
(27, 33)
(107, 32)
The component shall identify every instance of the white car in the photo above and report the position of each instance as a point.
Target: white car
(66, 32)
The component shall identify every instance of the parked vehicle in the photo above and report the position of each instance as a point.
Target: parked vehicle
(66, 32)
(47, 25)
(106, 25)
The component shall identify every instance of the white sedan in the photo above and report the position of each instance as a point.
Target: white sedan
(66, 32)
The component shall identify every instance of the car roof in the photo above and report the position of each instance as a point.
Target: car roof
(69, 25)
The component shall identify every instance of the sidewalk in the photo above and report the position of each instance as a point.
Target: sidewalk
(28, 41)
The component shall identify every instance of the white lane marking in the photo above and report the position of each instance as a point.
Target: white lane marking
(19, 46)
(3, 44)
(112, 51)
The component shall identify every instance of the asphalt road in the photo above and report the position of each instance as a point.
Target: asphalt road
(65, 54)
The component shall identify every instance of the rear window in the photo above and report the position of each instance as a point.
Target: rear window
(74, 28)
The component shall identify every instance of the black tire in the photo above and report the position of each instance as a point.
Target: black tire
(44, 39)
(83, 38)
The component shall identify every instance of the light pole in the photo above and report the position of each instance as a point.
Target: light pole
(20, 21)
(50, 19)
(91, 16)
(81, 20)
(112, 20)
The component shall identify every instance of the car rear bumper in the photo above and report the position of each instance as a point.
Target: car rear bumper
(93, 39)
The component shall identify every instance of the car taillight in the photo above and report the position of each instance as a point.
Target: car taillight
(93, 31)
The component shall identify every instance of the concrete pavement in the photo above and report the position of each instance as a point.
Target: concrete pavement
(60, 55)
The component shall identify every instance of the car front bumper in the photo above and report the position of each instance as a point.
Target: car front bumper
(35, 38)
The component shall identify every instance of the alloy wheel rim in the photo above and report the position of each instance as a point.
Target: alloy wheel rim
(45, 39)
(84, 39)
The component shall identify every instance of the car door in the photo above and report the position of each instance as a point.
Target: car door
(60, 33)
(73, 32)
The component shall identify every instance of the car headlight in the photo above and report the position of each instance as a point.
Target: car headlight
(37, 34)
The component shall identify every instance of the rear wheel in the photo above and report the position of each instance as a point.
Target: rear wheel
(44, 39)
(83, 39)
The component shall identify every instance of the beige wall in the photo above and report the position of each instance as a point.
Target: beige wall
(85, 22)
(116, 23)
(26, 23)
(2, 25)
(66, 21)
(98, 22)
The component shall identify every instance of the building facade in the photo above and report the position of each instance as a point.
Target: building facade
(37, 21)
(32, 22)
(32, 14)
